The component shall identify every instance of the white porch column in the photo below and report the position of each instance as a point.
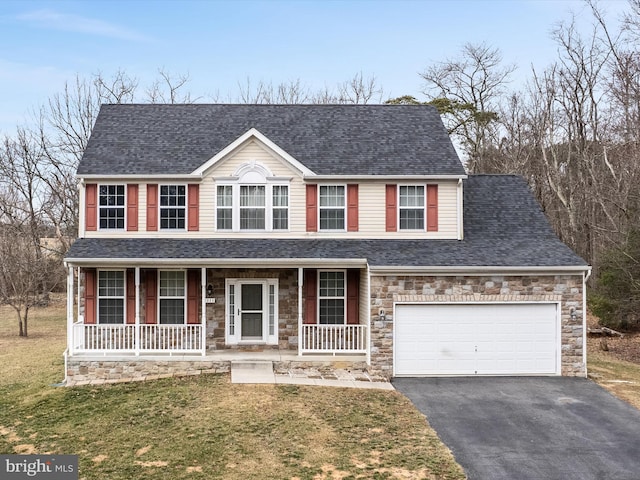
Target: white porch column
(203, 300)
(137, 325)
(368, 315)
(70, 341)
(300, 286)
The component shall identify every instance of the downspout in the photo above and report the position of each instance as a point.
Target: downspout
(460, 210)
(585, 278)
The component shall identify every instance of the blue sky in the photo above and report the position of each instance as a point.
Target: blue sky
(222, 43)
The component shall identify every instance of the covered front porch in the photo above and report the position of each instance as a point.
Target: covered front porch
(128, 312)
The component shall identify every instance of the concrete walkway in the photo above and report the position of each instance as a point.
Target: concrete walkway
(261, 372)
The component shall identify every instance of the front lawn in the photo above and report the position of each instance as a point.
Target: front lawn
(205, 427)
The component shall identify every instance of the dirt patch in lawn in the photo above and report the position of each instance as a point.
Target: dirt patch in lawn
(205, 427)
(618, 367)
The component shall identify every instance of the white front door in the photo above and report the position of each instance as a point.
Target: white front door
(251, 311)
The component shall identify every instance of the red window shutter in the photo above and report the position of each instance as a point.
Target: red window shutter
(312, 208)
(131, 297)
(432, 208)
(352, 208)
(193, 288)
(353, 297)
(132, 207)
(193, 213)
(90, 294)
(91, 206)
(152, 207)
(151, 303)
(392, 208)
(310, 295)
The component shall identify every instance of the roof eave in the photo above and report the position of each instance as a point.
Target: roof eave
(478, 269)
(219, 262)
(386, 177)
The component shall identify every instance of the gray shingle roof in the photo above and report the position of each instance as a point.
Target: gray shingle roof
(504, 227)
(327, 139)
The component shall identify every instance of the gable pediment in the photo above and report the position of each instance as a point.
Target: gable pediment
(252, 148)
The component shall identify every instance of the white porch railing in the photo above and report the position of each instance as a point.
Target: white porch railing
(109, 338)
(333, 339)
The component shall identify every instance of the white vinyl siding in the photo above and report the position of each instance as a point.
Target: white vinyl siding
(371, 204)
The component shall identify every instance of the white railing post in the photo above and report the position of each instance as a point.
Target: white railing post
(136, 328)
(70, 332)
(203, 320)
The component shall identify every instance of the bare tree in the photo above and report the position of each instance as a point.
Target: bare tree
(25, 273)
(169, 89)
(467, 91)
(357, 90)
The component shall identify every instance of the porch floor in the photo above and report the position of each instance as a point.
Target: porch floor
(229, 356)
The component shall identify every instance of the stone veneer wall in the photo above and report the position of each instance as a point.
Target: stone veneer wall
(81, 372)
(386, 290)
(287, 307)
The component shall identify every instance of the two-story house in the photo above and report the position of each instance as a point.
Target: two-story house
(310, 233)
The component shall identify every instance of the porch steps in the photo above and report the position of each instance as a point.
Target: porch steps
(252, 371)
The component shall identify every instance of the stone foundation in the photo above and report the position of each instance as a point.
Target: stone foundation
(95, 372)
(83, 372)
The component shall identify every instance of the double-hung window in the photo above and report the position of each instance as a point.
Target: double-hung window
(332, 207)
(173, 200)
(331, 297)
(252, 207)
(411, 207)
(111, 206)
(280, 207)
(224, 212)
(111, 296)
(172, 297)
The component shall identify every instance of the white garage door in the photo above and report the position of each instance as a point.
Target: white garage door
(477, 339)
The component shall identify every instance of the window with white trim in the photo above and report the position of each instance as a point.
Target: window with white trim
(111, 205)
(332, 207)
(173, 210)
(252, 207)
(224, 211)
(172, 297)
(253, 201)
(111, 296)
(331, 298)
(411, 207)
(280, 207)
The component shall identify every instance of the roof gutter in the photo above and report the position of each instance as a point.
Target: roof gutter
(478, 270)
(220, 262)
(385, 177)
(161, 176)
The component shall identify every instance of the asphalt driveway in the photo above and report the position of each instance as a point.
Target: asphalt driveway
(531, 428)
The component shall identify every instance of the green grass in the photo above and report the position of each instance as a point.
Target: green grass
(205, 427)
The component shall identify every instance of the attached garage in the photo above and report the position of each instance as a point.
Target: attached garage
(477, 339)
